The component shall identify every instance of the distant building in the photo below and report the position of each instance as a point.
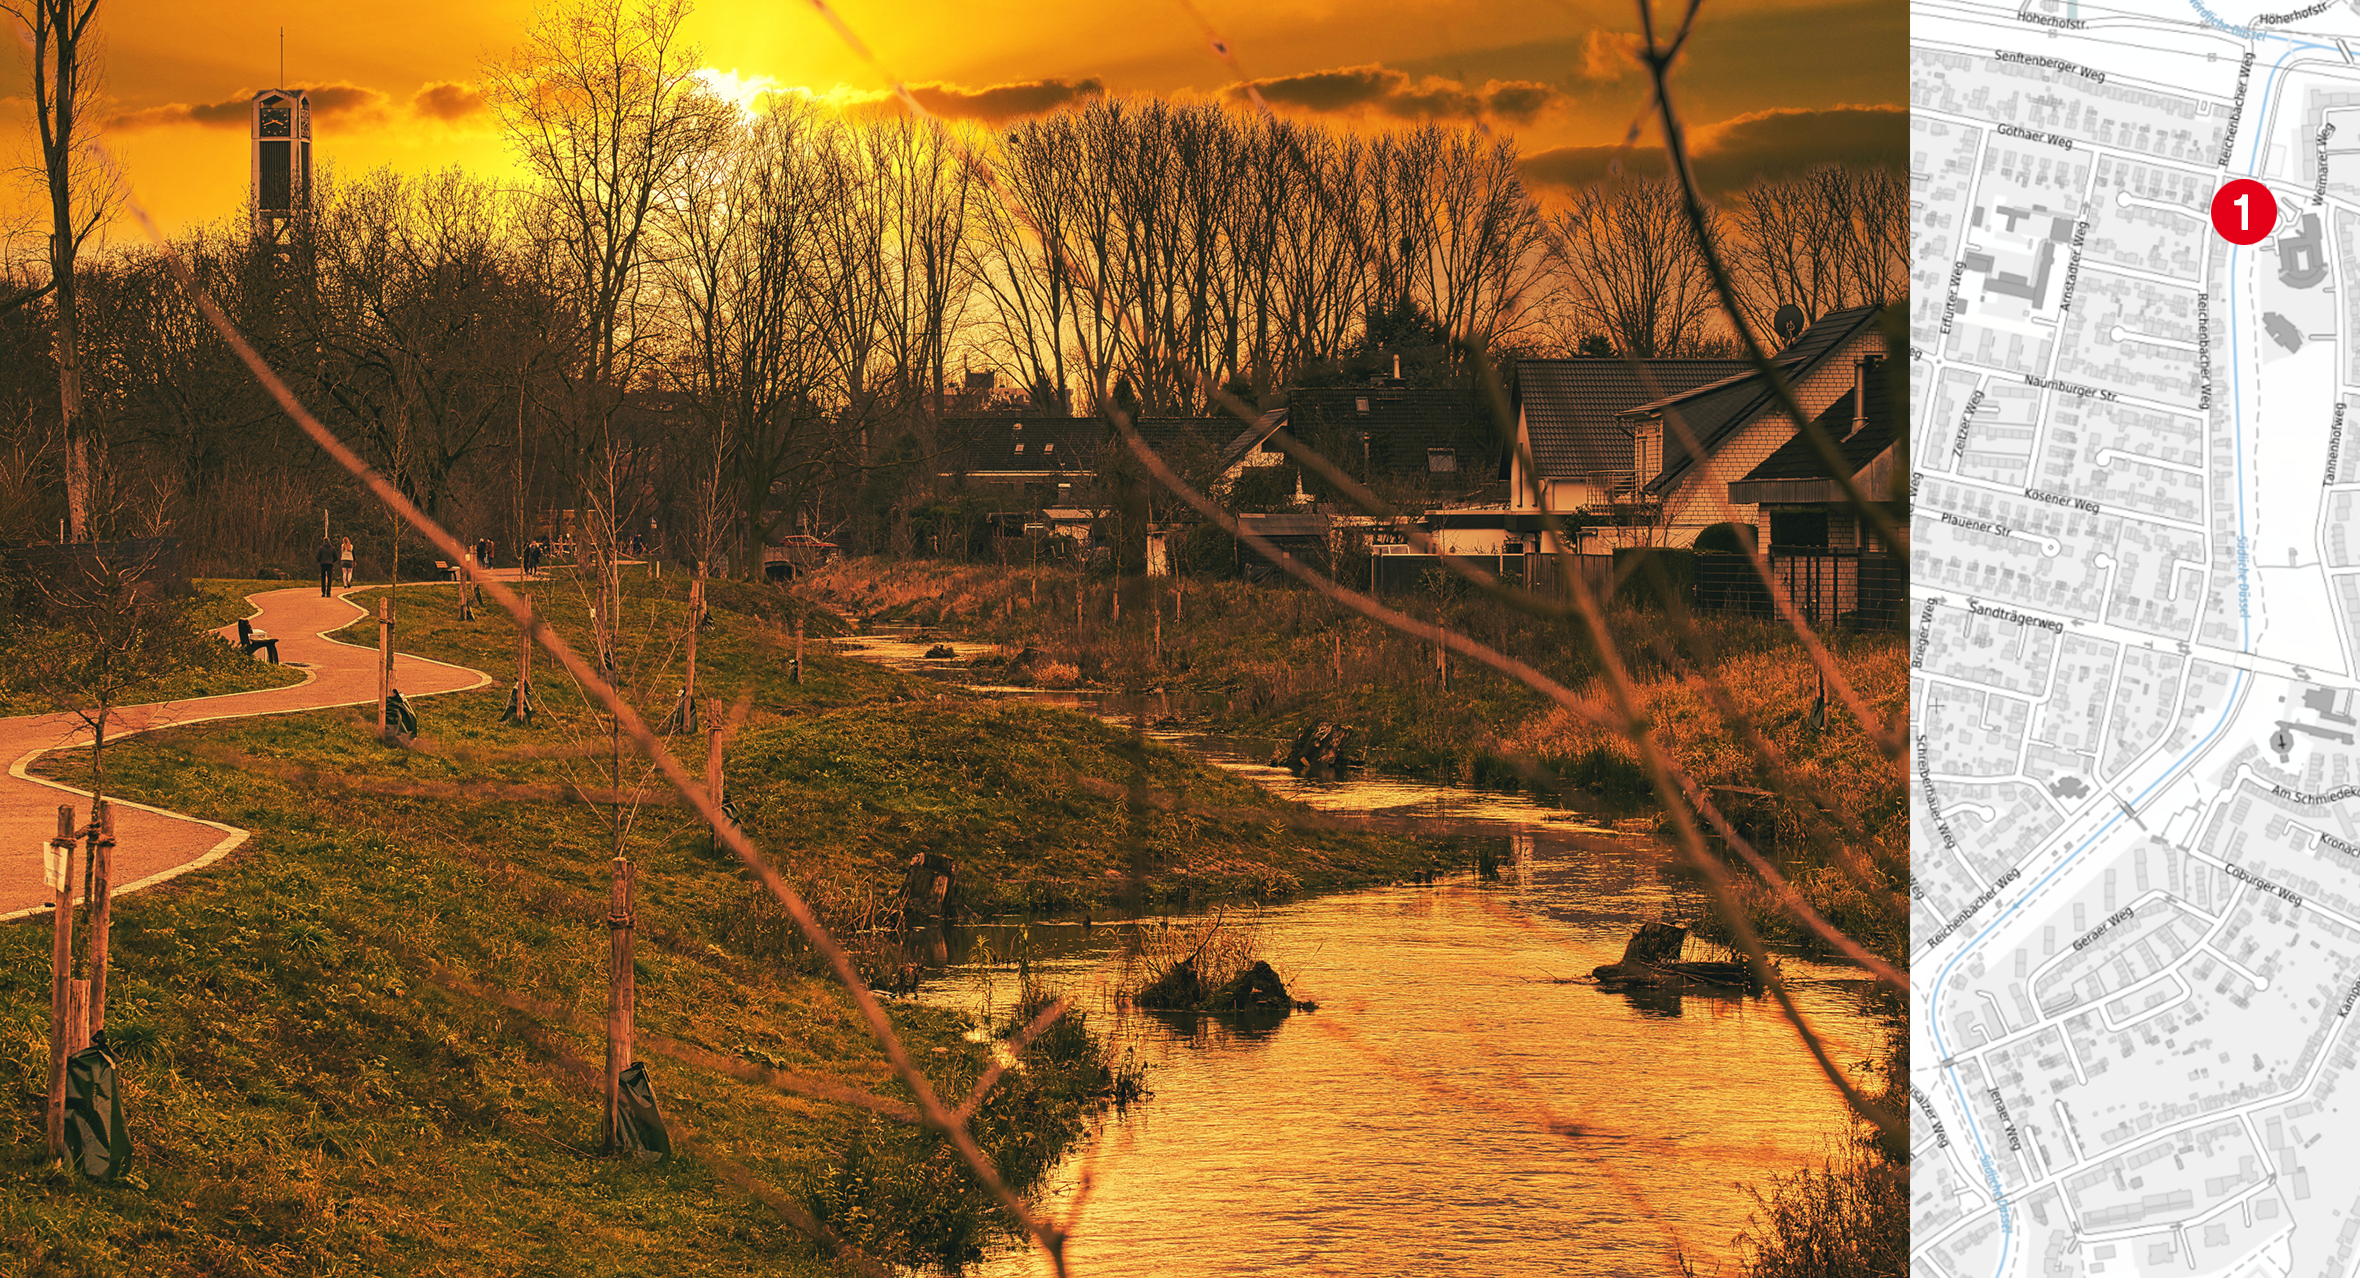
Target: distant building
(1611, 439)
(1799, 495)
(279, 160)
(1418, 447)
(1033, 461)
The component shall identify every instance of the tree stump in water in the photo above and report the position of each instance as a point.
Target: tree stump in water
(1175, 989)
(1258, 987)
(929, 892)
(1653, 944)
(1328, 746)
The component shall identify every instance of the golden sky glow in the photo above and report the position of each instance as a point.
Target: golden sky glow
(393, 82)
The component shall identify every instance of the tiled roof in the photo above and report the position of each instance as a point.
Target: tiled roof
(1393, 431)
(1712, 413)
(1022, 443)
(1797, 459)
(1245, 441)
(1188, 444)
(1570, 405)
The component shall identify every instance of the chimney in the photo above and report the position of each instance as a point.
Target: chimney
(1397, 366)
(1860, 371)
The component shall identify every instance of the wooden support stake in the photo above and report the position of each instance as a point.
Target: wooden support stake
(102, 900)
(696, 622)
(1339, 658)
(384, 658)
(61, 960)
(77, 1020)
(621, 995)
(713, 761)
(524, 665)
(798, 669)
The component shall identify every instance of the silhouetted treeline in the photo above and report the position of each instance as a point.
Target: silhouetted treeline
(741, 324)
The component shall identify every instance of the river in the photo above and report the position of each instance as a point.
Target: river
(1454, 1105)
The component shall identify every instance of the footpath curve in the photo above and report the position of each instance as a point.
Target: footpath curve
(151, 844)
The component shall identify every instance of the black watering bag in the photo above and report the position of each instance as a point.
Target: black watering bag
(639, 1127)
(97, 1144)
(400, 717)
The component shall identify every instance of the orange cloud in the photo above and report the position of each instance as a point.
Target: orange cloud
(1611, 55)
(1729, 155)
(447, 100)
(328, 102)
(1379, 88)
(1000, 103)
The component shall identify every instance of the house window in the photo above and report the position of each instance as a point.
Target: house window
(1442, 460)
(1361, 404)
(1020, 446)
(1048, 448)
(1798, 530)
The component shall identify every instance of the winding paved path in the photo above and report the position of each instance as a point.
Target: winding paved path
(152, 845)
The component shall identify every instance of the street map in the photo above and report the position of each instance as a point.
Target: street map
(2135, 641)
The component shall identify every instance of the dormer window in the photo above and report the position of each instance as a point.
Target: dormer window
(1049, 448)
(1361, 404)
(1020, 446)
(1442, 461)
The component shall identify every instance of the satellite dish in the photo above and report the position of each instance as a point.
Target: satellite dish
(1788, 323)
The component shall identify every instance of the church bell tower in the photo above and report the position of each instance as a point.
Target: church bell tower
(281, 161)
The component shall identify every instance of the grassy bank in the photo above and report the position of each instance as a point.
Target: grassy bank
(307, 1097)
(1266, 660)
(201, 667)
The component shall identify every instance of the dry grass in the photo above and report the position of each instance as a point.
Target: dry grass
(1263, 660)
(1213, 952)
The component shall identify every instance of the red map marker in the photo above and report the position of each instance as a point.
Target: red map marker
(2244, 212)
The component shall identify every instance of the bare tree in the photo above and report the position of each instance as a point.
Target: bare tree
(65, 87)
(1832, 237)
(848, 273)
(1632, 268)
(744, 270)
(928, 256)
(603, 106)
(1481, 268)
(419, 322)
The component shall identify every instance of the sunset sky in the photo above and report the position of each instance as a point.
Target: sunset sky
(1768, 84)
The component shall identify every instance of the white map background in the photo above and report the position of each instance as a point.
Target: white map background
(2136, 576)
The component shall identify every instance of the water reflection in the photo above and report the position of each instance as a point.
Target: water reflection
(1460, 1102)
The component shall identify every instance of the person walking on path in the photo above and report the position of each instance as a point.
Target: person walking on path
(327, 560)
(344, 561)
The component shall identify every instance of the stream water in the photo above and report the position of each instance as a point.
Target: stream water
(1454, 1105)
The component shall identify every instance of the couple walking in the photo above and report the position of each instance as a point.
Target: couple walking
(332, 556)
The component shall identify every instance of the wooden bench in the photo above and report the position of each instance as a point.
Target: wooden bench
(449, 573)
(251, 641)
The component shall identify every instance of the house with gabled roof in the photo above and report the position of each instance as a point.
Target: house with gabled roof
(1644, 452)
(1800, 496)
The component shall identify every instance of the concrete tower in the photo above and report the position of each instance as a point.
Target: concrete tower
(281, 144)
